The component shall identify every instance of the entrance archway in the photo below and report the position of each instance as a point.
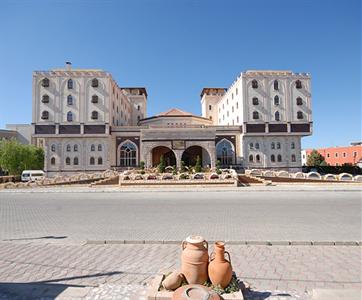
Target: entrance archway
(168, 154)
(189, 156)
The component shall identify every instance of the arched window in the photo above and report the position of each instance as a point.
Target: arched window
(45, 82)
(257, 146)
(255, 101)
(94, 99)
(277, 116)
(292, 145)
(53, 148)
(299, 101)
(69, 148)
(272, 158)
(272, 145)
(294, 158)
(95, 82)
(52, 161)
(251, 146)
(69, 116)
(254, 84)
(75, 161)
(45, 115)
(94, 115)
(298, 84)
(67, 161)
(225, 152)
(279, 158)
(75, 148)
(45, 99)
(278, 145)
(93, 148)
(70, 84)
(251, 158)
(128, 154)
(257, 158)
(300, 115)
(92, 161)
(99, 147)
(276, 100)
(70, 100)
(255, 115)
(100, 161)
(276, 85)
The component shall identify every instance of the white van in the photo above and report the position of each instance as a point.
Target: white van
(32, 175)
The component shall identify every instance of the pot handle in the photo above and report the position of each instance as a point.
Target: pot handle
(228, 256)
(212, 258)
(206, 244)
(183, 245)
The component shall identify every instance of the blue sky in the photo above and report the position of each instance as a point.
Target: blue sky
(175, 48)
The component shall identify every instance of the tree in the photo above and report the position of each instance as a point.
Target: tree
(315, 159)
(183, 168)
(142, 166)
(218, 165)
(162, 165)
(198, 167)
(16, 157)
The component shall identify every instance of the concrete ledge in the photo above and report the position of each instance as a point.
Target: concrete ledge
(336, 294)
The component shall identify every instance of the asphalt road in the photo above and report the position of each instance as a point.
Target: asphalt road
(267, 215)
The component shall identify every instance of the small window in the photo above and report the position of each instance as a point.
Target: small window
(257, 158)
(93, 148)
(92, 161)
(210, 107)
(236, 91)
(52, 161)
(237, 105)
(276, 100)
(69, 116)
(237, 119)
(354, 153)
(272, 158)
(69, 148)
(210, 117)
(299, 101)
(255, 101)
(251, 158)
(328, 155)
(277, 116)
(99, 147)
(138, 107)
(276, 85)
(138, 118)
(255, 115)
(75, 148)
(45, 82)
(279, 158)
(232, 96)
(294, 158)
(100, 161)
(278, 146)
(45, 115)
(70, 100)
(251, 146)
(257, 146)
(94, 115)
(95, 82)
(53, 148)
(45, 99)
(70, 84)
(254, 84)
(336, 154)
(94, 99)
(298, 84)
(232, 109)
(75, 161)
(292, 145)
(300, 115)
(272, 146)
(67, 161)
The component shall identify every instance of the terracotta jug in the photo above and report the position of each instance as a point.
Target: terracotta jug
(194, 259)
(173, 281)
(220, 271)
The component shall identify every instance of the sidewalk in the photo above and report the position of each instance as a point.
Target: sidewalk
(121, 271)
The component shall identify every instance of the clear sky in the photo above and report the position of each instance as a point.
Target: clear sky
(175, 48)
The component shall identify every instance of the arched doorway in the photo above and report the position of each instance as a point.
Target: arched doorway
(168, 154)
(127, 154)
(189, 156)
(225, 152)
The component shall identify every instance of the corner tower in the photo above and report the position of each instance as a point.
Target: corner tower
(210, 98)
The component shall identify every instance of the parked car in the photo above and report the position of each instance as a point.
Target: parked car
(32, 175)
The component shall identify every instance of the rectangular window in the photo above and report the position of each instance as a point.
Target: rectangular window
(209, 107)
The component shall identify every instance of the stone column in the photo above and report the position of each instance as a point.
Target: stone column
(178, 154)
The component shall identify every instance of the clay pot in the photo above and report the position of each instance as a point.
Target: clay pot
(194, 259)
(220, 271)
(195, 292)
(173, 281)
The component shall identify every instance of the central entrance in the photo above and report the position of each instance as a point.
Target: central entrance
(168, 154)
(190, 155)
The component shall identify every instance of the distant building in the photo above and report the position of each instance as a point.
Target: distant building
(7, 134)
(23, 132)
(337, 156)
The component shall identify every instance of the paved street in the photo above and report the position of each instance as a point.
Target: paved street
(293, 214)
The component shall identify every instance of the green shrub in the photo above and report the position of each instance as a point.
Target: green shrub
(198, 167)
(161, 167)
